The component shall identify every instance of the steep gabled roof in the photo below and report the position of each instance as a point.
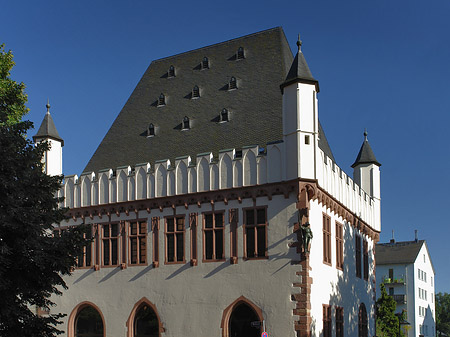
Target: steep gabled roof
(48, 128)
(404, 252)
(365, 155)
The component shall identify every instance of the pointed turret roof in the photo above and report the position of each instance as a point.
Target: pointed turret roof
(365, 155)
(48, 128)
(299, 71)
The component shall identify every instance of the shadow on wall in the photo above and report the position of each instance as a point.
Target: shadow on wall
(350, 291)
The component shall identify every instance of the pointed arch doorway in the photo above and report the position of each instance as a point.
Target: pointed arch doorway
(242, 318)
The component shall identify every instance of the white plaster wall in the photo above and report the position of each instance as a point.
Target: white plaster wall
(53, 158)
(191, 300)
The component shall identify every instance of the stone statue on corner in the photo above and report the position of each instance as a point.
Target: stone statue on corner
(307, 235)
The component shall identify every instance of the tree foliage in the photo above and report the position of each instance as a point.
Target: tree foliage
(386, 320)
(32, 260)
(443, 314)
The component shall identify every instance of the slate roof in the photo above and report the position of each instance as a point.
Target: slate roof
(48, 129)
(255, 106)
(404, 252)
(365, 155)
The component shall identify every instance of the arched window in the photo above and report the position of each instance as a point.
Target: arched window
(186, 123)
(224, 115)
(161, 100)
(205, 63)
(171, 72)
(362, 321)
(146, 322)
(195, 92)
(151, 130)
(232, 85)
(242, 318)
(240, 54)
(88, 323)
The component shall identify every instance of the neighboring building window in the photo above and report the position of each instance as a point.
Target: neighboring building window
(110, 240)
(339, 246)
(224, 115)
(232, 84)
(186, 123)
(391, 291)
(391, 274)
(339, 322)
(161, 100)
(171, 72)
(151, 130)
(255, 233)
(195, 92)
(193, 226)
(175, 239)
(366, 260)
(358, 255)
(138, 242)
(155, 230)
(240, 54)
(326, 239)
(233, 216)
(326, 310)
(213, 238)
(85, 259)
(205, 63)
(362, 321)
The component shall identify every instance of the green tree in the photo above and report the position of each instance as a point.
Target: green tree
(443, 314)
(386, 321)
(32, 260)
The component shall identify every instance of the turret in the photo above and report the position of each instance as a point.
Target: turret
(366, 173)
(53, 156)
(300, 119)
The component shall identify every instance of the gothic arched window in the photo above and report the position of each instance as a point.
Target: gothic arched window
(186, 123)
(240, 54)
(171, 72)
(88, 323)
(195, 92)
(161, 100)
(362, 321)
(151, 130)
(205, 63)
(224, 115)
(232, 84)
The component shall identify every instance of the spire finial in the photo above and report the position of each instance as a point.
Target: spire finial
(48, 106)
(299, 44)
(365, 134)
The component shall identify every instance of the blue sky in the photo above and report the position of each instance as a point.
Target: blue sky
(382, 65)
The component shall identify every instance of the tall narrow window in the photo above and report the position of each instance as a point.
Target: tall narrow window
(205, 63)
(175, 239)
(240, 53)
(161, 100)
(193, 226)
(255, 233)
(339, 322)
(171, 72)
(186, 123)
(138, 242)
(233, 216)
(155, 230)
(339, 246)
(232, 84)
(85, 259)
(224, 115)
(326, 310)
(213, 238)
(110, 244)
(151, 130)
(366, 260)
(358, 255)
(195, 92)
(362, 321)
(326, 239)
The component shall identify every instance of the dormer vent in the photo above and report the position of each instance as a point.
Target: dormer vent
(224, 115)
(205, 63)
(195, 92)
(240, 54)
(171, 72)
(161, 100)
(186, 123)
(151, 130)
(232, 84)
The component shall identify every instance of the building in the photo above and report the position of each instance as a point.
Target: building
(408, 274)
(200, 196)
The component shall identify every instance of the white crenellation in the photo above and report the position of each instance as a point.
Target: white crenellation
(207, 173)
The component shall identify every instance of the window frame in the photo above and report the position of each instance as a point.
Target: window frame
(365, 259)
(339, 321)
(175, 232)
(155, 238)
(233, 219)
(339, 245)
(358, 252)
(90, 247)
(326, 235)
(130, 236)
(109, 238)
(326, 320)
(193, 223)
(213, 229)
(255, 226)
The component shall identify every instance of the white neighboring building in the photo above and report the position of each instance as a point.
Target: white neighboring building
(408, 274)
(195, 199)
